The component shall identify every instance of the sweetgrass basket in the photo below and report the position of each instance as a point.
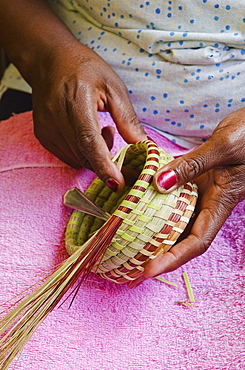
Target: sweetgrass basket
(143, 222)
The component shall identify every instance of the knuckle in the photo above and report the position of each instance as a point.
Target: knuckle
(134, 121)
(129, 116)
(85, 162)
(190, 168)
(229, 135)
(204, 244)
(86, 141)
(228, 148)
(90, 156)
(198, 244)
(116, 89)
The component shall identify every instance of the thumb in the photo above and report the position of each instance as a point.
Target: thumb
(188, 167)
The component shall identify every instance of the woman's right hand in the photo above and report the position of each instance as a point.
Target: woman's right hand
(75, 85)
(70, 84)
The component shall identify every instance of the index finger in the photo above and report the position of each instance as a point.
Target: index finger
(89, 140)
(203, 232)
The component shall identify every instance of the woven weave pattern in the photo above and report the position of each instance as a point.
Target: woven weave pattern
(149, 223)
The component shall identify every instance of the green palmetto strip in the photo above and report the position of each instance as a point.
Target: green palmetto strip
(165, 281)
(188, 287)
(19, 324)
(120, 156)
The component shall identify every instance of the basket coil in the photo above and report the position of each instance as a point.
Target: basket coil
(148, 222)
(142, 224)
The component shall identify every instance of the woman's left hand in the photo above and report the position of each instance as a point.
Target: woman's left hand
(218, 168)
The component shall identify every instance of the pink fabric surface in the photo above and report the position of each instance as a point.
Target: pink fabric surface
(109, 326)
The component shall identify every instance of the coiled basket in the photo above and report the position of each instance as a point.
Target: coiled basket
(143, 222)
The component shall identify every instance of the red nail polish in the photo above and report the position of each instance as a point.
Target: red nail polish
(167, 179)
(112, 184)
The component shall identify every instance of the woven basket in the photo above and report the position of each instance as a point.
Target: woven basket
(142, 224)
(146, 223)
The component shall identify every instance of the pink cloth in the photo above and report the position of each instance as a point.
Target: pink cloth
(109, 326)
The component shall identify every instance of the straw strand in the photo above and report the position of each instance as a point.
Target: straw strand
(143, 223)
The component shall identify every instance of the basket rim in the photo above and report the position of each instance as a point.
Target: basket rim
(125, 209)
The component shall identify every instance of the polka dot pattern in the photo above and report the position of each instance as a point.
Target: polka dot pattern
(182, 61)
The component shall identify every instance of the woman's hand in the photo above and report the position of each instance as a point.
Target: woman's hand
(76, 85)
(70, 84)
(218, 167)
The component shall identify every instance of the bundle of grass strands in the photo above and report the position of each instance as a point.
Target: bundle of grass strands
(142, 224)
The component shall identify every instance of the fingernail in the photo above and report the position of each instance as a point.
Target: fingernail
(167, 179)
(112, 184)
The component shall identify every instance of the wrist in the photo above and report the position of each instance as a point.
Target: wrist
(35, 63)
(30, 32)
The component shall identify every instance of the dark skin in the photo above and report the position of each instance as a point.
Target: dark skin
(218, 168)
(70, 101)
(71, 83)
